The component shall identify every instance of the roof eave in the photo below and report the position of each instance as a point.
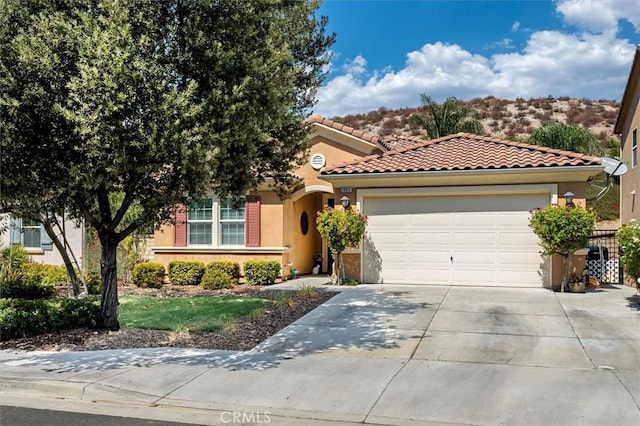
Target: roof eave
(625, 104)
(560, 173)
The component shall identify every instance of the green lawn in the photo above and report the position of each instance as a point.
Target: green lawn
(185, 313)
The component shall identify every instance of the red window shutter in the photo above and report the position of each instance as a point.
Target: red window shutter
(180, 227)
(252, 208)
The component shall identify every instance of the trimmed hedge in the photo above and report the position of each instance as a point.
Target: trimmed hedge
(217, 278)
(148, 275)
(17, 286)
(261, 271)
(186, 272)
(23, 317)
(230, 268)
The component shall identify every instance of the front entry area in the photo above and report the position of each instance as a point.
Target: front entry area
(481, 240)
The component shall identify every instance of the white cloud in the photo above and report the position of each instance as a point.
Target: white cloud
(553, 63)
(515, 26)
(599, 15)
(356, 66)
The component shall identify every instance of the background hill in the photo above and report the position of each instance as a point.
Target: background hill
(516, 120)
(508, 119)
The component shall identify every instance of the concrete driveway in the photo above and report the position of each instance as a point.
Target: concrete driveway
(389, 355)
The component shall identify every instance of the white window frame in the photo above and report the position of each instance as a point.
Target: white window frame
(221, 222)
(216, 222)
(31, 227)
(634, 148)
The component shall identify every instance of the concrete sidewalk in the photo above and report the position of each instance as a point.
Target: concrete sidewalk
(377, 354)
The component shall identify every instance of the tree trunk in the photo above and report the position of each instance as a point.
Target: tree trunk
(565, 273)
(108, 272)
(71, 271)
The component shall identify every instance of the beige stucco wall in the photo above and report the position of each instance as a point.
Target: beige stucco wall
(74, 235)
(630, 181)
(303, 246)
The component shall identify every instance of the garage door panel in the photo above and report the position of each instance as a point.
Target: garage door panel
(433, 220)
(488, 237)
(430, 276)
(390, 238)
(471, 220)
(513, 219)
(474, 238)
(463, 258)
(437, 257)
(433, 238)
(474, 277)
(520, 258)
(523, 238)
(392, 257)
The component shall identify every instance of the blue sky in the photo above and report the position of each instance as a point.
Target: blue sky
(388, 52)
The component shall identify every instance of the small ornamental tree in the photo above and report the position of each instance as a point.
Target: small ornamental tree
(563, 231)
(629, 240)
(341, 229)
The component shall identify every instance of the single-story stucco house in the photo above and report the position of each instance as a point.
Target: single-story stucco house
(627, 127)
(453, 210)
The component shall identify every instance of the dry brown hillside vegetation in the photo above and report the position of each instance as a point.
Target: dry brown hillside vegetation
(503, 118)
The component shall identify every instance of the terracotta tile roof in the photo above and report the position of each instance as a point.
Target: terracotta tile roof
(463, 151)
(391, 143)
(345, 129)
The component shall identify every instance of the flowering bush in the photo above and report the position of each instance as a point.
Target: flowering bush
(562, 230)
(341, 229)
(629, 241)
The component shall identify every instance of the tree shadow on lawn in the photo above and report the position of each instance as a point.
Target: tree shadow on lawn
(365, 318)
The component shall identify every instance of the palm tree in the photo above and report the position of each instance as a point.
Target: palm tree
(567, 137)
(446, 119)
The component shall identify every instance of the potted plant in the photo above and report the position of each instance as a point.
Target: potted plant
(562, 231)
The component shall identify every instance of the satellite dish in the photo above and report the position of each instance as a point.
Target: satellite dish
(613, 167)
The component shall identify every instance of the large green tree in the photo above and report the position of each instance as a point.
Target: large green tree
(152, 101)
(447, 118)
(567, 137)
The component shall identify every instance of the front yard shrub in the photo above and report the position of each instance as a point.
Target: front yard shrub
(18, 286)
(186, 272)
(13, 257)
(93, 282)
(217, 278)
(46, 274)
(23, 317)
(231, 268)
(629, 241)
(261, 271)
(148, 275)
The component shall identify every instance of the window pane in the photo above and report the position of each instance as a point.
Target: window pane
(227, 212)
(201, 210)
(232, 234)
(31, 237)
(200, 233)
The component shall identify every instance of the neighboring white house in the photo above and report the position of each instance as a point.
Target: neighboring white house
(32, 236)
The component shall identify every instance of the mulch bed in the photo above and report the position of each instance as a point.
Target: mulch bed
(247, 333)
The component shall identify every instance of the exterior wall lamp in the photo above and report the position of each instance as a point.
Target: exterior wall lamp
(568, 198)
(345, 201)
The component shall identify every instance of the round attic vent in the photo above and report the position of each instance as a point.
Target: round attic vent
(317, 161)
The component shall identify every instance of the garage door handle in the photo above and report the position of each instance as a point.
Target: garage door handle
(451, 259)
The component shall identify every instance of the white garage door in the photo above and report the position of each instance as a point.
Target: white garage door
(455, 240)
